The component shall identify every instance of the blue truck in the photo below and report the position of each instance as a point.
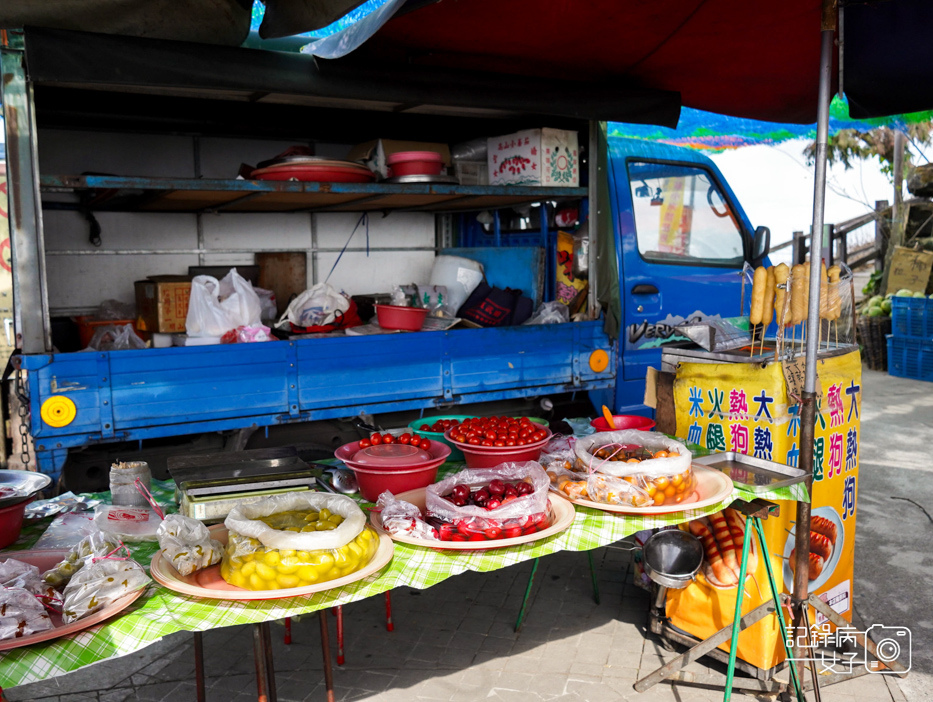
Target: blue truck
(667, 242)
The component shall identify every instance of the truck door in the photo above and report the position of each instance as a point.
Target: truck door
(683, 249)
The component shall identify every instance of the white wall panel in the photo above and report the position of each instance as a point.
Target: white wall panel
(356, 274)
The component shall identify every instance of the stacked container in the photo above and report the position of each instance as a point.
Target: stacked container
(910, 345)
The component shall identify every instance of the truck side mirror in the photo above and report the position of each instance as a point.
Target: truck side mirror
(761, 244)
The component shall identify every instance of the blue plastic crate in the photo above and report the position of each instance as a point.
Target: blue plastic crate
(912, 316)
(910, 358)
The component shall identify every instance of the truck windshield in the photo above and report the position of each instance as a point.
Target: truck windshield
(681, 216)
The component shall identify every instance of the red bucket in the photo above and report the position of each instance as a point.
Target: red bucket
(11, 522)
(405, 318)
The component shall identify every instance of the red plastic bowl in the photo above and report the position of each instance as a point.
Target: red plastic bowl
(623, 421)
(395, 317)
(406, 163)
(11, 522)
(491, 456)
(375, 480)
(391, 456)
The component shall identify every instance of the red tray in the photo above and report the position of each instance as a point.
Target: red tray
(315, 173)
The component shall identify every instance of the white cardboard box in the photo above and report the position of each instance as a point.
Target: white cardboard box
(548, 157)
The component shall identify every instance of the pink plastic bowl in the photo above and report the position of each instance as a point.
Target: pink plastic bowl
(414, 163)
(375, 480)
(624, 421)
(405, 318)
(491, 456)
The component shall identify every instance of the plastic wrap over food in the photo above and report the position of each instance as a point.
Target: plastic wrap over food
(21, 614)
(295, 540)
(657, 466)
(96, 544)
(401, 518)
(99, 584)
(246, 520)
(16, 574)
(567, 481)
(477, 504)
(676, 461)
(187, 544)
(127, 523)
(610, 490)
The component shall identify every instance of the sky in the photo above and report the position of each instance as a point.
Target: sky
(774, 184)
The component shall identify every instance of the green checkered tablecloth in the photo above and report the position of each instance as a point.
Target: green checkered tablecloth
(160, 611)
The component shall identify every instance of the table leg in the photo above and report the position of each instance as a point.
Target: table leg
(288, 631)
(589, 557)
(198, 667)
(325, 652)
(390, 625)
(339, 610)
(270, 663)
(531, 579)
(262, 656)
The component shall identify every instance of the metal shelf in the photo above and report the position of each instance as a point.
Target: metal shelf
(189, 195)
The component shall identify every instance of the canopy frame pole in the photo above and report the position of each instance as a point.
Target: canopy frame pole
(808, 399)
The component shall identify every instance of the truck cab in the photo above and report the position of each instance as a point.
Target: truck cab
(683, 240)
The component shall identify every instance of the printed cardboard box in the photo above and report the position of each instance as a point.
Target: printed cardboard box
(162, 303)
(549, 157)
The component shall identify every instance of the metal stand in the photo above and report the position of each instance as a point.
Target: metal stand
(265, 670)
(325, 651)
(754, 512)
(523, 610)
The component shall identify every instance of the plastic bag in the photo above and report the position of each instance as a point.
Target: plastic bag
(21, 614)
(550, 313)
(96, 545)
(315, 307)
(433, 298)
(123, 477)
(115, 338)
(403, 518)
(268, 308)
(567, 481)
(114, 309)
(610, 490)
(514, 515)
(16, 574)
(187, 544)
(295, 540)
(658, 466)
(247, 335)
(99, 584)
(127, 523)
(215, 307)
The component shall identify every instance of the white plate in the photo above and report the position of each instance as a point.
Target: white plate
(830, 565)
(712, 487)
(208, 584)
(46, 560)
(562, 515)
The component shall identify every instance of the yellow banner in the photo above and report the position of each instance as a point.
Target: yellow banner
(745, 408)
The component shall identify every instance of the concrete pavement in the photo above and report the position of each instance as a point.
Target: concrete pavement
(455, 641)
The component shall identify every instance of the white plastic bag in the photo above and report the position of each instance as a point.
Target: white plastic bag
(99, 584)
(187, 544)
(112, 337)
(244, 520)
(21, 614)
(403, 518)
(550, 313)
(315, 307)
(17, 574)
(216, 307)
(267, 303)
(95, 544)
